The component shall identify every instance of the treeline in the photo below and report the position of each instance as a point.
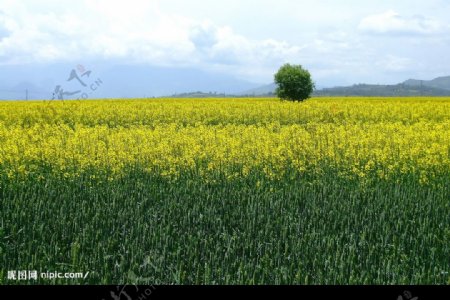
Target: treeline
(367, 90)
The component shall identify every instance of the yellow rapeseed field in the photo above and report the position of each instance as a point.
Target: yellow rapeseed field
(355, 136)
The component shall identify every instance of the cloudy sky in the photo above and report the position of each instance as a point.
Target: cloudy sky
(340, 42)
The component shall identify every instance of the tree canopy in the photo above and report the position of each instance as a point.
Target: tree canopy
(294, 83)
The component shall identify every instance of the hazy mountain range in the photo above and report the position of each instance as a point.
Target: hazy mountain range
(412, 87)
(117, 81)
(137, 81)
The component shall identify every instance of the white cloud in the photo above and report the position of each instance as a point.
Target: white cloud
(394, 63)
(232, 37)
(137, 32)
(3, 26)
(390, 22)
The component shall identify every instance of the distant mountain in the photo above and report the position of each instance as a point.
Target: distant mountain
(118, 81)
(437, 87)
(21, 91)
(139, 81)
(39, 79)
(262, 90)
(383, 90)
(265, 90)
(439, 83)
(198, 94)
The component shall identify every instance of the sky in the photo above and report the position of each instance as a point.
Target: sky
(339, 42)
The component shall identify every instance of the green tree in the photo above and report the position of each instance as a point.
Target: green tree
(294, 83)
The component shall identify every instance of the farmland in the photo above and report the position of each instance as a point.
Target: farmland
(227, 191)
